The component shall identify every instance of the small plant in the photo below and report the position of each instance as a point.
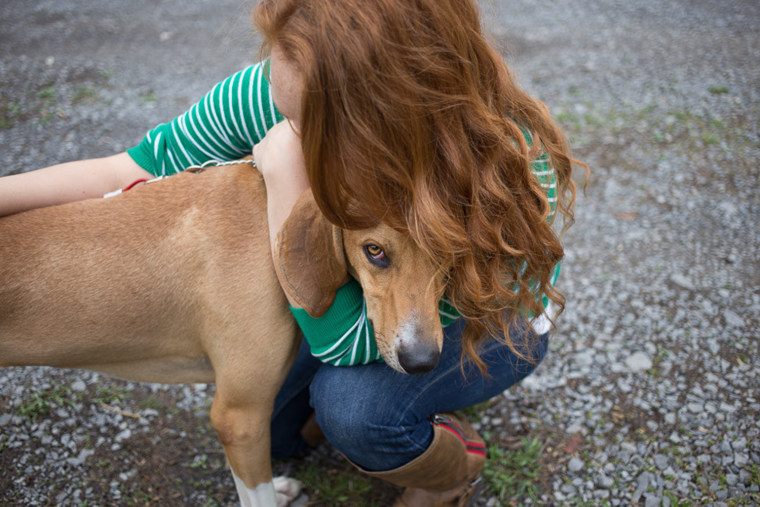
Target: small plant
(151, 402)
(335, 487)
(512, 473)
(110, 394)
(148, 98)
(47, 95)
(710, 139)
(718, 90)
(84, 94)
(41, 402)
(8, 113)
(200, 461)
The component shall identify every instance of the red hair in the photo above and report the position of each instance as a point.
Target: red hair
(411, 118)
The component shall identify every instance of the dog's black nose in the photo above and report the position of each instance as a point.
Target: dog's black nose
(418, 358)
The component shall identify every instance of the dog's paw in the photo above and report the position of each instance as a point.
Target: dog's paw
(286, 489)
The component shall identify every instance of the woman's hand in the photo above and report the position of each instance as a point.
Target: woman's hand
(279, 156)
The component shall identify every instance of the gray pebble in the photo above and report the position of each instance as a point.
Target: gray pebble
(638, 361)
(575, 465)
(661, 461)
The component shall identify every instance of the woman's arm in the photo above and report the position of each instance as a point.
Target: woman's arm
(71, 181)
(223, 125)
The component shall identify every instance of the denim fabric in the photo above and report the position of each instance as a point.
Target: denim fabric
(378, 417)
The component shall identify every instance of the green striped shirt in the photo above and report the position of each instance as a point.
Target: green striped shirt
(225, 125)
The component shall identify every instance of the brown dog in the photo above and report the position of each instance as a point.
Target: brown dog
(174, 282)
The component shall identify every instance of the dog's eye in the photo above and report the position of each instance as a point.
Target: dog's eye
(376, 255)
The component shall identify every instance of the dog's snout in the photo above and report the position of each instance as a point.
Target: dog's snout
(417, 358)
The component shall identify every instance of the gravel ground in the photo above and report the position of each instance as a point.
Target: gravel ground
(650, 395)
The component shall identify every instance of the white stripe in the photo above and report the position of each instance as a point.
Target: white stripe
(209, 140)
(218, 119)
(192, 133)
(186, 133)
(189, 160)
(449, 315)
(217, 125)
(223, 122)
(261, 104)
(254, 79)
(357, 337)
(337, 343)
(155, 156)
(238, 132)
(367, 359)
(354, 350)
(358, 327)
(206, 139)
(555, 275)
(155, 146)
(240, 101)
(543, 173)
(177, 167)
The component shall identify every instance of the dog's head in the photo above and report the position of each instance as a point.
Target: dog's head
(401, 284)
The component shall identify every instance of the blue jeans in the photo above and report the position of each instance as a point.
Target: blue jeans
(377, 417)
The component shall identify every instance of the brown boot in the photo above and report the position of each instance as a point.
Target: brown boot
(311, 432)
(447, 473)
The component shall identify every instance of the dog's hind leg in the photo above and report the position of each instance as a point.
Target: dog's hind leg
(241, 413)
(284, 489)
(243, 430)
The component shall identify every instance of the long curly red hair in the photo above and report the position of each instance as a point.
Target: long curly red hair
(411, 118)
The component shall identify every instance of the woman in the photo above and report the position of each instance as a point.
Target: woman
(397, 111)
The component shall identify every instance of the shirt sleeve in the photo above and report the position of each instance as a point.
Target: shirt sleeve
(224, 125)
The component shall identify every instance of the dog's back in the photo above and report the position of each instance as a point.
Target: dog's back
(134, 285)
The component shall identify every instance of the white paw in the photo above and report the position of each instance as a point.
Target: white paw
(286, 490)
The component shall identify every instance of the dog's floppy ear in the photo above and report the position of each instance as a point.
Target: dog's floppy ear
(309, 257)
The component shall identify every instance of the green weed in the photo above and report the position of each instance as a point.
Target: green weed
(512, 473)
(84, 94)
(110, 394)
(336, 487)
(200, 461)
(718, 90)
(41, 403)
(150, 402)
(8, 113)
(148, 98)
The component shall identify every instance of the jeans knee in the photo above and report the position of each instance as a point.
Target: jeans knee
(370, 431)
(337, 410)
